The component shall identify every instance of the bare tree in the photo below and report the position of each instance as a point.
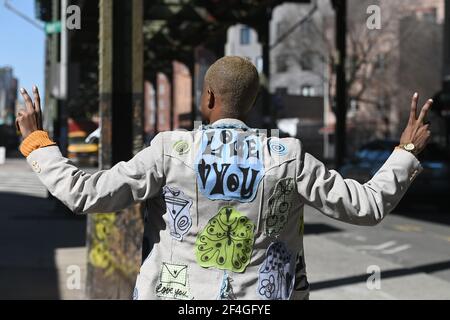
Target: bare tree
(373, 58)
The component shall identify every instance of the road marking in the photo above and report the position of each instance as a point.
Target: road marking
(396, 249)
(446, 238)
(377, 247)
(354, 237)
(407, 228)
(24, 183)
(385, 248)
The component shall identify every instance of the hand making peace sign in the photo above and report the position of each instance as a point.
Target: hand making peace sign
(29, 119)
(417, 131)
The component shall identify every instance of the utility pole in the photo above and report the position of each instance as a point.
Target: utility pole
(340, 7)
(441, 99)
(446, 66)
(444, 98)
(63, 81)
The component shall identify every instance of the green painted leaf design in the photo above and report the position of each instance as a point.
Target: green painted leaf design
(226, 242)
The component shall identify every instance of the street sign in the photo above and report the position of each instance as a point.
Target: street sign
(53, 27)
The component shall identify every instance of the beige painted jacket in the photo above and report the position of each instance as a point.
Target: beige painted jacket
(225, 207)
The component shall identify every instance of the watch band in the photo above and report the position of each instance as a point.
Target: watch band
(403, 147)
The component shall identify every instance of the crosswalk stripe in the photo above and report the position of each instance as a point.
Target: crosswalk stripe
(376, 247)
(397, 249)
(22, 183)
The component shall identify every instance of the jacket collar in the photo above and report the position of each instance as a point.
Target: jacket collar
(229, 122)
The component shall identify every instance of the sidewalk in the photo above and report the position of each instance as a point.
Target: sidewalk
(71, 266)
(337, 272)
(37, 242)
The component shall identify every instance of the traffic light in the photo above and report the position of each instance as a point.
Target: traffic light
(43, 10)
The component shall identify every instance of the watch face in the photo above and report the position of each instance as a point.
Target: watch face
(409, 147)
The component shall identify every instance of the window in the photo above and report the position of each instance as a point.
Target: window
(354, 106)
(245, 35)
(259, 64)
(308, 27)
(307, 61)
(308, 91)
(281, 91)
(383, 102)
(162, 88)
(380, 62)
(281, 63)
(429, 15)
(282, 27)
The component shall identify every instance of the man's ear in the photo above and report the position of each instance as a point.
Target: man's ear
(211, 99)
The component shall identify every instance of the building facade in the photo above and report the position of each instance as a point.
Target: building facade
(387, 65)
(243, 41)
(297, 68)
(164, 102)
(8, 96)
(384, 66)
(182, 96)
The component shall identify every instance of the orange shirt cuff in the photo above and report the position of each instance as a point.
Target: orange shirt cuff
(37, 139)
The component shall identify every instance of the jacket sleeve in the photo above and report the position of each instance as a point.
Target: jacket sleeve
(104, 191)
(349, 201)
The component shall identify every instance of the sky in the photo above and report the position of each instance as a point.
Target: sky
(22, 45)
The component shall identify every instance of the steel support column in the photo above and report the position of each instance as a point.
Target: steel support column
(340, 7)
(114, 240)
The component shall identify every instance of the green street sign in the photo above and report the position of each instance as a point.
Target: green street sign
(53, 27)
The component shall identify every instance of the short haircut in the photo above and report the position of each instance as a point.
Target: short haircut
(236, 81)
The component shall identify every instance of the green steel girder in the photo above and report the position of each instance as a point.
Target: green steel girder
(173, 28)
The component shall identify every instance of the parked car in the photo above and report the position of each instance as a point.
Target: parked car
(431, 186)
(82, 151)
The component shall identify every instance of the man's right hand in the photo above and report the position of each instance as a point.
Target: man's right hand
(417, 132)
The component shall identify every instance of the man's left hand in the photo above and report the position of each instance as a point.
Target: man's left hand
(29, 119)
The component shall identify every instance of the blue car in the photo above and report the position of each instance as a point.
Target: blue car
(431, 186)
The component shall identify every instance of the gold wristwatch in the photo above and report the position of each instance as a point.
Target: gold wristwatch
(410, 147)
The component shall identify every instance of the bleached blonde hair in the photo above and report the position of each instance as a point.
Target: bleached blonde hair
(235, 81)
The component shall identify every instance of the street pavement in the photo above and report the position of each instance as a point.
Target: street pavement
(17, 178)
(41, 243)
(413, 256)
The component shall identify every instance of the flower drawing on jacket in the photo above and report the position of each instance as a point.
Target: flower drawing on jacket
(267, 287)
